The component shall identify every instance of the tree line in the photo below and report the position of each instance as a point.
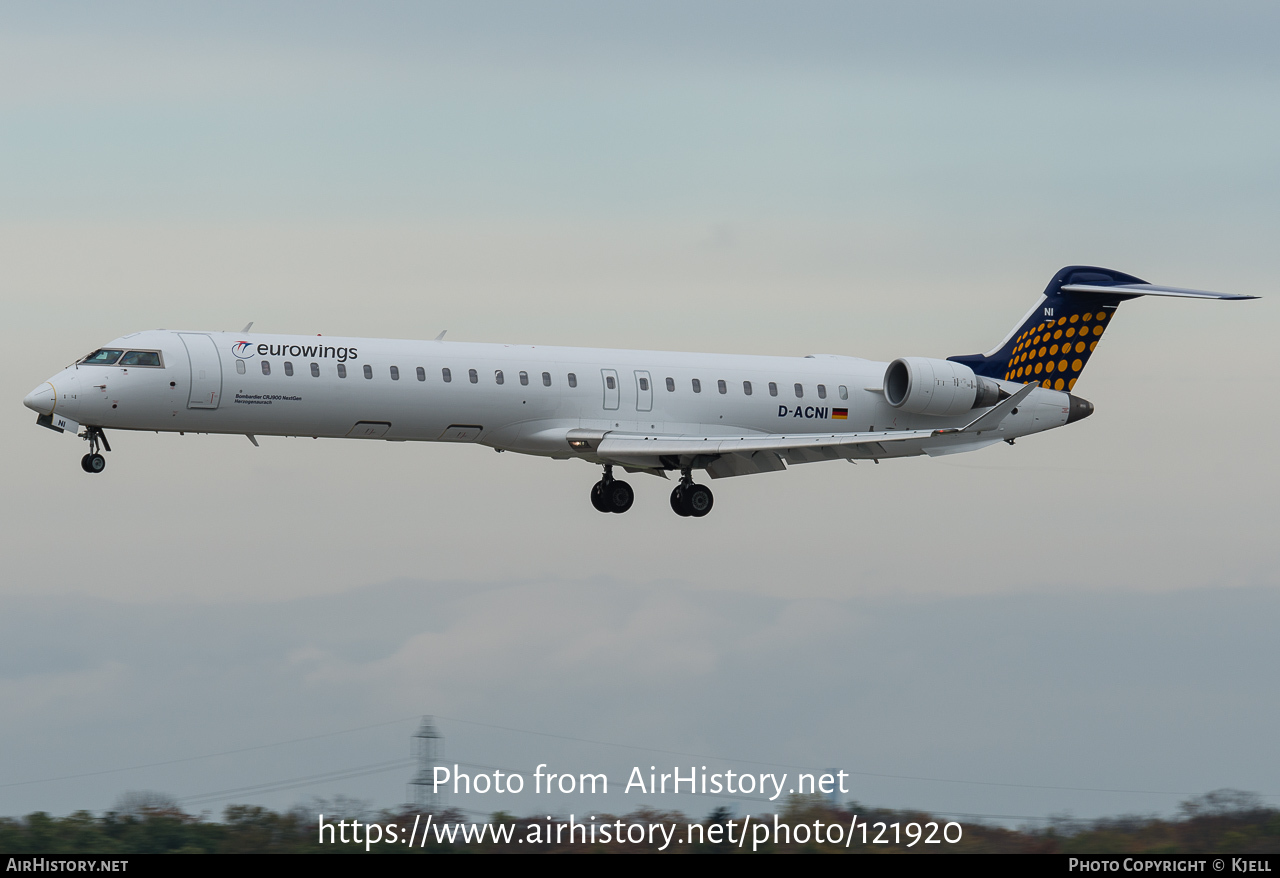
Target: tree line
(1223, 822)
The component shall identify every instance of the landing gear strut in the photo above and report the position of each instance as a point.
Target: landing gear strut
(689, 499)
(93, 462)
(610, 494)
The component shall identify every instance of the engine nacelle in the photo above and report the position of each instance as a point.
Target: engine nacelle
(924, 386)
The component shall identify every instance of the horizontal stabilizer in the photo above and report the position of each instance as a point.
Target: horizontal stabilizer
(1148, 290)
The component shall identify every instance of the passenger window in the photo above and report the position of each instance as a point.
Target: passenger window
(524, 379)
(799, 391)
(395, 373)
(446, 374)
(288, 368)
(102, 358)
(773, 388)
(368, 371)
(746, 387)
(546, 379)
(644, 383)
(422, 374)
(671, 385)
(844, 392)
(573, 380)
(315, 370)
(497, 377)
(140, 358)
(697, 386)
(342, 370)
(472, 376)
(609, 382)
(722, 387)
(266, 368)
(240, 366)
(822, 391)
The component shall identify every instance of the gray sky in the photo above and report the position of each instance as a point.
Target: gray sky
(753, 178)
(973, 704)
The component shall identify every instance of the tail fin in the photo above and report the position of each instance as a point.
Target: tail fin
(1054, 341)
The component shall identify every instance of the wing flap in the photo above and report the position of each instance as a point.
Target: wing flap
(745, 464)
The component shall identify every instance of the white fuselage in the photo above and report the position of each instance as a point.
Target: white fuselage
(523, 398)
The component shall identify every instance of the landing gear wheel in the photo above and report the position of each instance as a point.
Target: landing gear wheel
(611, 495)
(677, 502)
(598, 499)
(93, 462)
(698, 500)
(619, 496)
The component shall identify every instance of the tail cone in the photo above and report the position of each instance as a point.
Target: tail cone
(1080, 409)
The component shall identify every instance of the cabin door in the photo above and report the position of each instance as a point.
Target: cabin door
(206, 370)
(644, 392)
(612, 392)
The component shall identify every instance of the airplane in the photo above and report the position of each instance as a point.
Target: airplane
(644, 411)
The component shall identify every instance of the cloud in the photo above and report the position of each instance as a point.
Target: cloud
(1071, 688)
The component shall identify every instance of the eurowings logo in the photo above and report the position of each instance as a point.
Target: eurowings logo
(242, 349)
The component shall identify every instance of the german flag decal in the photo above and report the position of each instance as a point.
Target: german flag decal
(840, 414)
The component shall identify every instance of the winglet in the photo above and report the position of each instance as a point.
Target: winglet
(990, 420)
(440, 337)
(247, 327)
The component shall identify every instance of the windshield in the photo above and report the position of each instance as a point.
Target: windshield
(102, 357)
(141, 358)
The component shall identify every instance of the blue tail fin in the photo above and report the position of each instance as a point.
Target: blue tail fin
(1054, 341)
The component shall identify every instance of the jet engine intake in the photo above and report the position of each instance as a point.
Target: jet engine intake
(925, 386)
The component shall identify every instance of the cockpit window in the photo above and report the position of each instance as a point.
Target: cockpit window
(141, 358)
(102, 357)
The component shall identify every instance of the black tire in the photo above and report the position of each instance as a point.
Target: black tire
(84, 463)
(598, 499)
(620, 496)
(698, 500)
(677, 502)
(94, 463)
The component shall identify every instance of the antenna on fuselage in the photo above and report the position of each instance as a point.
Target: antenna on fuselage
(247, 326)
(440, 337)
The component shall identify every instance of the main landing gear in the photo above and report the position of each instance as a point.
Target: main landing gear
(610, 494)
(687, 500)
(690, 500)
(93, 462)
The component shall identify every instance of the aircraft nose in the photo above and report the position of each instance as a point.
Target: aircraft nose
(42, 399)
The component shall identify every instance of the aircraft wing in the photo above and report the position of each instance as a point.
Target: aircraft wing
(768, 452)
(724, 456)
(628, 445)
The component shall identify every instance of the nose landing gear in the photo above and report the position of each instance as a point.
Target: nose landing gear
(93, 462)
(690, 500)
(610, 494)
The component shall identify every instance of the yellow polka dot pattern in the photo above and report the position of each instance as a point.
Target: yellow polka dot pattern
(1036, 351)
